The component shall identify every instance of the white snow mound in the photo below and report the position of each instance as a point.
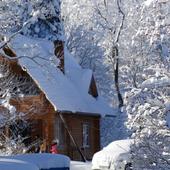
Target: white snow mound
(114, 156)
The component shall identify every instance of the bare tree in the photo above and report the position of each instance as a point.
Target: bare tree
(14, 124)
(114, 31)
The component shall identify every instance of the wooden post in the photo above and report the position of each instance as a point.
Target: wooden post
(71, 137)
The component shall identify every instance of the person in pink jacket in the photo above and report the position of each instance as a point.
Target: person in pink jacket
(54, 149)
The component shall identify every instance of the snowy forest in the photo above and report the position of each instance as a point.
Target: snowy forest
(127, 46)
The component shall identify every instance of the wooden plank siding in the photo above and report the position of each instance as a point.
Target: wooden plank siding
(75, 123)
(47, 118)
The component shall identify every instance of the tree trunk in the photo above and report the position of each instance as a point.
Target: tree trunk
(115, 58)
(117, 83)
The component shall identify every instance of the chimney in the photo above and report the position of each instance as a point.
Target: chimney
(59, 52)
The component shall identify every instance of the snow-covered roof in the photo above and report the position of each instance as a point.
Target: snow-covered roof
(80, 77)
(66, 92)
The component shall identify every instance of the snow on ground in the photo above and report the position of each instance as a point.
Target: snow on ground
(76, 165)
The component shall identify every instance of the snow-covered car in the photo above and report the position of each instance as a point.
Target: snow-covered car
(115, 156)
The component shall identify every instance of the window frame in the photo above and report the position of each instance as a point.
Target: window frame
(86, 135)
(59, 133)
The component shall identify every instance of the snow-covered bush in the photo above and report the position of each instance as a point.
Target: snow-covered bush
(148, 109)
(147, 104)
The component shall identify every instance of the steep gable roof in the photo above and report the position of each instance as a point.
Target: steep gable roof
(80, 77)
(66, 92)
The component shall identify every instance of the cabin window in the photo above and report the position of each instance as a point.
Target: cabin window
(86, 135)
(59, 132)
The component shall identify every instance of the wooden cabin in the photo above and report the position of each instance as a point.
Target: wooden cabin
(63, 103)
